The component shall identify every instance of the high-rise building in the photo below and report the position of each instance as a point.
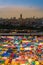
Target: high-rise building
(20, 16)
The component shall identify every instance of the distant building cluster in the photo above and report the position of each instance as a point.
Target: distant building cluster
(26, 23)
(22, 22)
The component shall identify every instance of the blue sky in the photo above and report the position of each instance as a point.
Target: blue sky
(29, 8)
(34, 3)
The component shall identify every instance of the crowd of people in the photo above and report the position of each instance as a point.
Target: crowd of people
(21, 50)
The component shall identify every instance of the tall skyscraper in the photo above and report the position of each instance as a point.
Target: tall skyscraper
(20, 16)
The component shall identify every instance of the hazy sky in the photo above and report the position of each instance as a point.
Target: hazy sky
(29, 8)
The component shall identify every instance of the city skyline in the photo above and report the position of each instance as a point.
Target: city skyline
(28, 8)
